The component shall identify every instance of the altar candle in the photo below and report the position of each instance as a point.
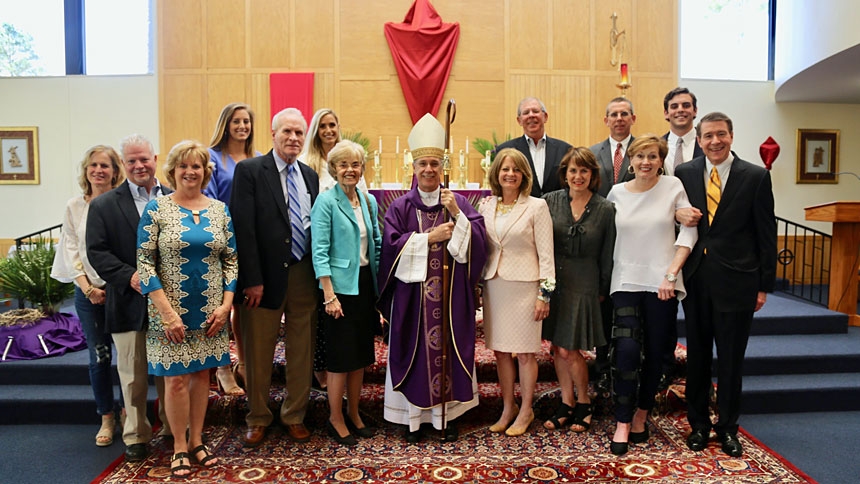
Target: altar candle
(397, 145)
(462, 158)
(380, 144)
(376, 156)
(467, 145)
(624, 77)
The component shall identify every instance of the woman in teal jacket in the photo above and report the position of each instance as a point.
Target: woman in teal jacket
(346, 246)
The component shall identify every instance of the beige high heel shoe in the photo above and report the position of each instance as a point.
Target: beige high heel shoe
(227, 383)
(498, 428)
(104, 437)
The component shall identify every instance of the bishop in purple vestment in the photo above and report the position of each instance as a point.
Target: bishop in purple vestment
(414, 241)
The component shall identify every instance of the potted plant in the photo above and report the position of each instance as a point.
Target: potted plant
(27, 275)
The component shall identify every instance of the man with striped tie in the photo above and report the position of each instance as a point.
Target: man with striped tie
(271, 205)
(728, 274)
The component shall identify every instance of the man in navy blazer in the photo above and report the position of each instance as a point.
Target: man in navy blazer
(544, 153)
(728, 274)
(276, 279)
(112, 250)
(680, 109)
(619, 119)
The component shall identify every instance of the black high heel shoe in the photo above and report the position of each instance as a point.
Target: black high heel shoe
(364, 432)
(348, 440)
(618, 448)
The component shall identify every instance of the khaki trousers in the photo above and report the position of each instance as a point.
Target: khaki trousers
(134, 384)
(259, 327)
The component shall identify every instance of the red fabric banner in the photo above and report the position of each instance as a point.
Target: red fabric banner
(423, 50)
(292, 90)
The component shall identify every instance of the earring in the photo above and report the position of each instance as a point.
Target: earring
(630, 169)
(661, 171)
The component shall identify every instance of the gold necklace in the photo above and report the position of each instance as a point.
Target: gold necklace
(505, 208)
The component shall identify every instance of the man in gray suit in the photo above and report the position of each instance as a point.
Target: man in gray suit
(112, 250)
(544, 153)
(611, 153)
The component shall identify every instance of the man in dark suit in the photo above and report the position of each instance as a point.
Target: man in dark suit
(271, 205)
(614, 163)
(611, 153)
(112, 250)
(728, 274)
(544, 153)
(680, 109)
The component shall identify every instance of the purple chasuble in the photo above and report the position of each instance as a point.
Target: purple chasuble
(414, 310)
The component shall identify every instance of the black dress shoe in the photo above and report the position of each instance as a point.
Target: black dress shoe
(698, 440)
(640, 437)
(414, 437)
(348, 440)
(136, 452)
(731, 444)
(451, 433)
(618, 448)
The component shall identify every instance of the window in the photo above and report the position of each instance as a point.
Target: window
(59, 37)
(726, 39)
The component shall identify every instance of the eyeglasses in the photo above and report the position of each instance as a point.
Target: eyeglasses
(343, 165)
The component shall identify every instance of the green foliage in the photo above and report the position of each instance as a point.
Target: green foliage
(27, 275)
(357, 137)
(17, 57)
(483, 145)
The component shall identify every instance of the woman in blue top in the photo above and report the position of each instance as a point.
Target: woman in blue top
(186, 259)
(232, 142)
(346, 245)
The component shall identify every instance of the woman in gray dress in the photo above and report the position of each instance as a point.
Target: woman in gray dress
(583, 226)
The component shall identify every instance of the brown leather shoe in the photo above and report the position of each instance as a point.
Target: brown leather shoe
(298, 432)
(254, 435)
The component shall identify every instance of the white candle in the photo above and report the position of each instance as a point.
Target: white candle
(376, 157)
(380, 144)
(397, 145)
(462, 158)
(467, 145)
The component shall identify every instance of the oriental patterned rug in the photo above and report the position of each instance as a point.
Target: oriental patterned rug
(478, 456)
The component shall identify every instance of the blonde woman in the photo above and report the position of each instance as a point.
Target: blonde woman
(101, 171)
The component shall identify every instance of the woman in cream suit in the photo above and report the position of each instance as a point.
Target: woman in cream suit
(520, 277)
(346, 247)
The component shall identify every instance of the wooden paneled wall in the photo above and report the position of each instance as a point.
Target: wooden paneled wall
(212, 52)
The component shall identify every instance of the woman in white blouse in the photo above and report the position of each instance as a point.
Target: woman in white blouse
(100, 172)
(646, 283)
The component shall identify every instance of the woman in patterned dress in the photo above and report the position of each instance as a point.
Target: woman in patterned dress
(188, 267)
(520, 277)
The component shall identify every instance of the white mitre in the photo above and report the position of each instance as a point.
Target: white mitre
(427, 138)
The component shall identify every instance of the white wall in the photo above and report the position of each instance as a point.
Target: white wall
(72, 114)
(756, 116)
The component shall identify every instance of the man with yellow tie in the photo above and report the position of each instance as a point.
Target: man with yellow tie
(728, 274)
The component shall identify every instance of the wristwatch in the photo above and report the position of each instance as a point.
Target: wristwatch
(671, 277)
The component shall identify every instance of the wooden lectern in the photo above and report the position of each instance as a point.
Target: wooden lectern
(844, 254)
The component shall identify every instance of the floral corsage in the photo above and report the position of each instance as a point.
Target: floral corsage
(547, 287)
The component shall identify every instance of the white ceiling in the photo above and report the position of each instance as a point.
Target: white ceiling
(833, 80)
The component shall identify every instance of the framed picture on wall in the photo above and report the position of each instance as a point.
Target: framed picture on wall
(817, 155)
(19, 155)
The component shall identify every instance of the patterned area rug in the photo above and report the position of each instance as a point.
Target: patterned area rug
(478, 456)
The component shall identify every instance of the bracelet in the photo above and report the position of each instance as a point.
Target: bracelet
(89, 291)
(333, 299)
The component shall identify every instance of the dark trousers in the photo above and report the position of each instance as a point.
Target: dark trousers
(655, 318)
(730, 331)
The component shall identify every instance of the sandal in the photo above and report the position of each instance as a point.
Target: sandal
(565, 412)
(227, 382)
(207, 459)
(580, 413)
(104, 437)
(181, 467)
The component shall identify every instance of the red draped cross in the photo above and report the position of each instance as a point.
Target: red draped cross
(423, 51)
